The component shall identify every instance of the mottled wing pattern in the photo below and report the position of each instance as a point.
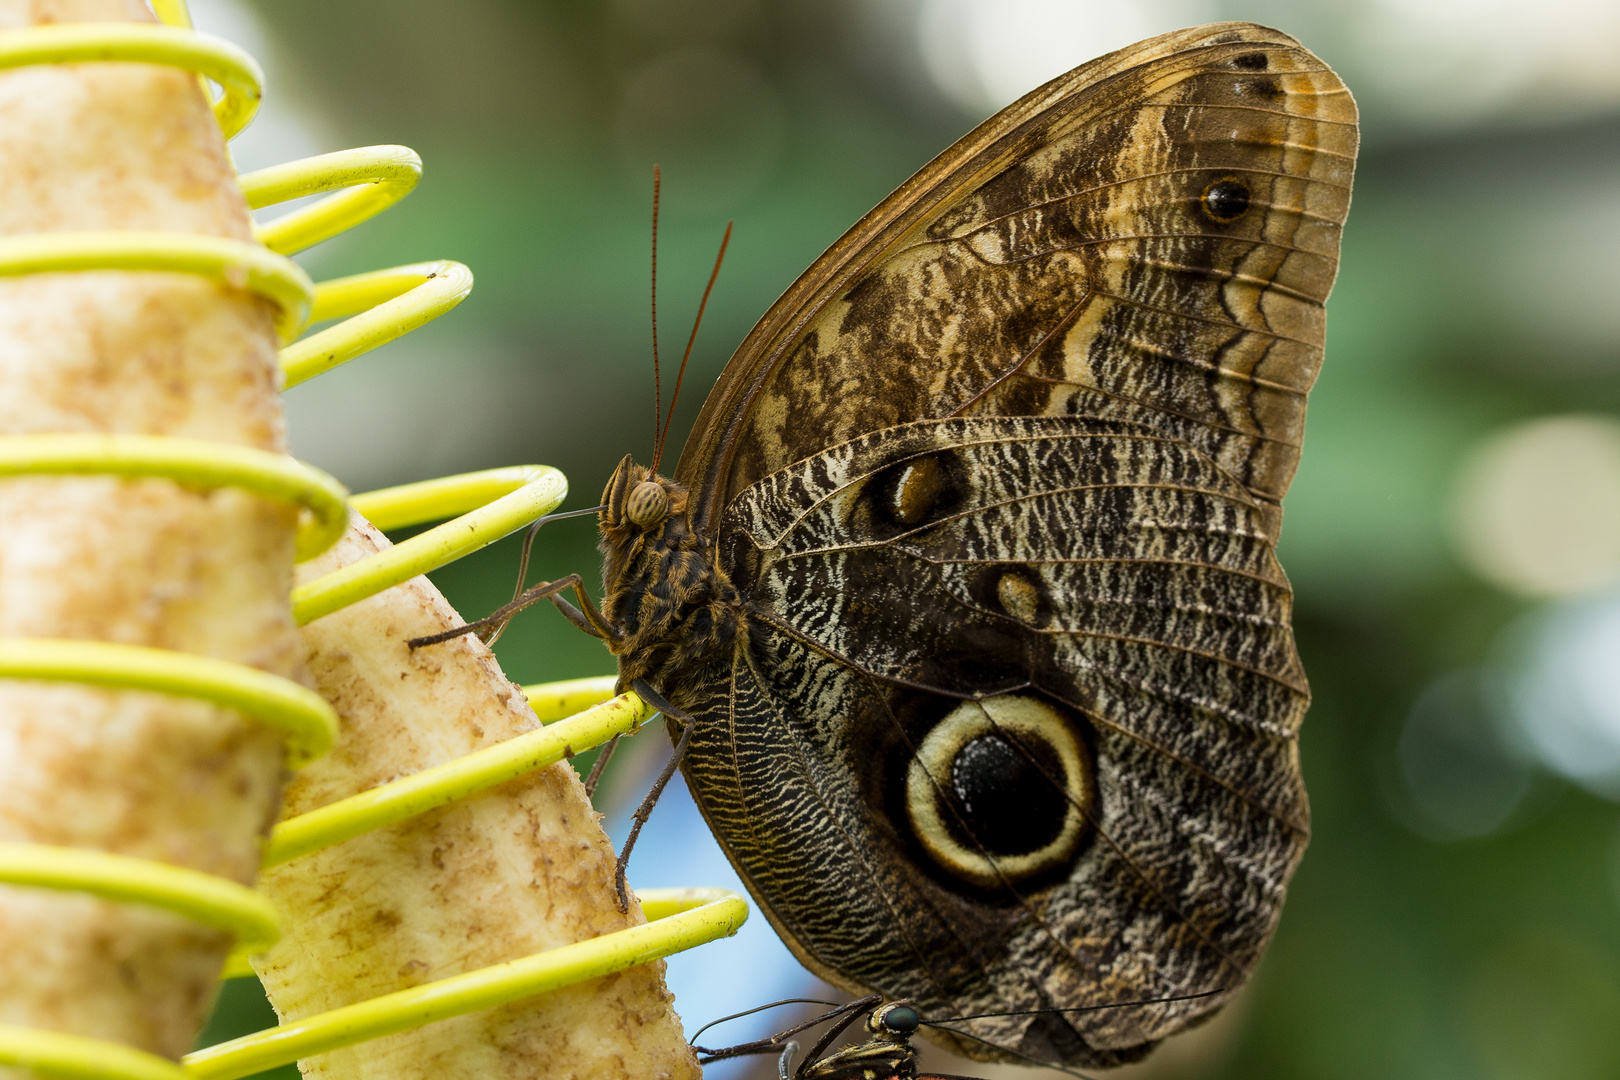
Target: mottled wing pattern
(1078, 253)
(1161, 623)
(1024, 431)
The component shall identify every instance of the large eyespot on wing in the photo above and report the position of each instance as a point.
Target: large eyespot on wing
(1000, 791)
(1097, 561)
(1096, 565)
(1149, 237)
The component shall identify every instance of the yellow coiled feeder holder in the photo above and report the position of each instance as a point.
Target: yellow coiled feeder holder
(376, 307)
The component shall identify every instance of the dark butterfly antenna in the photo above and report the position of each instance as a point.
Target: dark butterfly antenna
(658, 389)
(675, 394)
(762, 1008)
(782, 1041)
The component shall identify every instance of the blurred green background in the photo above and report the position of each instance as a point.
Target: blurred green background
(1453, 534)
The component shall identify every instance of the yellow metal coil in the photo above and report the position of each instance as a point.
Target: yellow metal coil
(377, 307)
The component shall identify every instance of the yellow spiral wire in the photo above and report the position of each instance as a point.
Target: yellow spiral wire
(377, 307)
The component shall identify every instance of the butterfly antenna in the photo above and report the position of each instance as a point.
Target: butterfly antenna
(681, 375)
(658, 389)
(762, 1008)
(845, 1015)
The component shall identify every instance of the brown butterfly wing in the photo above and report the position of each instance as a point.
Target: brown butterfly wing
(1062, 253)
(1091, 326)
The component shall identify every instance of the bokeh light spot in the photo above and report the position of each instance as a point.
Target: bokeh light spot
(984, 54)
(1456, 773)
(1564, 689)
(1537, 507)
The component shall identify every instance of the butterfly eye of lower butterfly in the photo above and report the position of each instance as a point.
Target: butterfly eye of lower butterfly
(1226, 199)
(1001, 790)
(896, 1020)
(647, 505)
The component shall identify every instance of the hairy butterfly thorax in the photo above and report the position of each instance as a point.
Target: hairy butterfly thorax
(673, 607)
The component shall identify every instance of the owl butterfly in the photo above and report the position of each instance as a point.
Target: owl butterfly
(966, 576)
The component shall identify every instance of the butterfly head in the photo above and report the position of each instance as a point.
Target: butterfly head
(636, 498)
(897, 1021)
(888, 1055)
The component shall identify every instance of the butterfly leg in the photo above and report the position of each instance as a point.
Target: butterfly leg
(601, 763)
(854, 1011)
(494, 634)
(644, 811)
(845, 1015)
(764, 1046)
(498, 618)
(590, 620)
(491, 634)
(587, 617)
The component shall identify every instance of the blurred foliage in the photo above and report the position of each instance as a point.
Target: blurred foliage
(1398, 956)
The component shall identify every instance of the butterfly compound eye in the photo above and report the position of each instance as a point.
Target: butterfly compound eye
(899, 1019)
(1001, 790)
(647, 505)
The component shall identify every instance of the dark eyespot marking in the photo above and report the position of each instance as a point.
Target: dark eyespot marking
(1009, 802)
(1267, 88)
(915, 491)
(1001, 790)
(1014, 591)
(1254, 61)
(1019, 596)
(1225, 200)
(911, 493)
